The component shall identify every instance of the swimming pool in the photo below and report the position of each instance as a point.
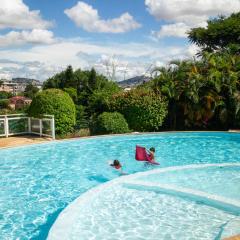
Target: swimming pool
(39, 181)
(141, 206)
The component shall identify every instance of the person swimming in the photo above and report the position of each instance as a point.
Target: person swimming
(152, 154)
(117, 165)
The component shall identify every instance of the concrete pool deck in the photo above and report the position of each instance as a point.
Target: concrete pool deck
(21, 140)
(233, 238)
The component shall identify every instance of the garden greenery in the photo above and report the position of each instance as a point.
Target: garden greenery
(110, 122)
(57, 103)
(198, 93)
(143, 109)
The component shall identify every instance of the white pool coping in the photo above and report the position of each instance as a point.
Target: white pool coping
(116, 135)
(62, 227)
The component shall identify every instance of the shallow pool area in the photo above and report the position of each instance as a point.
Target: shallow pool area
(139, 206)
(222, 180)
(39, 181)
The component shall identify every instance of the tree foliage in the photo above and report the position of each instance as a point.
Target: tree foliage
(30, 90)
(72, 92)
(89, 91)
(58, 103)
(201, 93)
(5, 95)
(4, 103)
(221, 33)
(144, 109)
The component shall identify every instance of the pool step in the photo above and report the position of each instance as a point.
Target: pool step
(226, 204)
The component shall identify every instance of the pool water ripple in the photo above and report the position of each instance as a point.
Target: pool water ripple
(38, 181)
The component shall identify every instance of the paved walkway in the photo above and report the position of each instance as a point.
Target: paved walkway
(21, 140)
(233, 238)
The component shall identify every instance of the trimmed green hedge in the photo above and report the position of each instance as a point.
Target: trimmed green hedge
(143, 109)
(110, 123)
(58, 103)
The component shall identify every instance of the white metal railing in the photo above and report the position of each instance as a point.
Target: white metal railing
(16, 124)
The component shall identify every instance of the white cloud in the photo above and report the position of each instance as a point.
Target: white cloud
(34, 69)
(193, 50)
(6, 76)
(45, 60)
(188, 13)
(15, 14)
(35, 36)
(86, 17)
(172, 30)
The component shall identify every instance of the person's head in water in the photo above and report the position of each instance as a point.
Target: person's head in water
(116, 163)
(152, 149)
(152, 153)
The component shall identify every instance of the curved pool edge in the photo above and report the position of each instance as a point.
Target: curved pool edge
(112, 135)
(66, 219)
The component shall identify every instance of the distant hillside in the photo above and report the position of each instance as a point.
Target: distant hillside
(26, 81)
(135, 81)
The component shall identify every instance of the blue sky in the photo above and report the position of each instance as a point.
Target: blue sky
(41, 37)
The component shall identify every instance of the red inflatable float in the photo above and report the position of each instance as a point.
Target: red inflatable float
(142, 155)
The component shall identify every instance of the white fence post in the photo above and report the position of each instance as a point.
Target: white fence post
(29, 125)
(40, 127)
(6, 126)
(53, 127)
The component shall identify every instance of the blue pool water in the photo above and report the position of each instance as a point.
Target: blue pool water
(140, 214)
(221, 181)
(38, 182)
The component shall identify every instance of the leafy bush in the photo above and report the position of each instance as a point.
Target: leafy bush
(82, 121)
(143, 109)
(4, 103)
(57, 103)
(110, 123)
(85, 132)
(100, 97)
(72, 92)
(31, 90)
(5, 95)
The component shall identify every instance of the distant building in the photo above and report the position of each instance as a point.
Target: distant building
(126, 89)
(18, 85)
(19, 102)
(9, 86)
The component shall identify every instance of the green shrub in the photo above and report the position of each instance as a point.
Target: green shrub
(72, 92)
(143, 109)
(4, 103)
(82, 120)
(58, 103)
(110, 123)
(100, 97)
(5, 95)
(85, 132)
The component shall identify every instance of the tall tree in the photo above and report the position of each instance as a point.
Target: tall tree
(69, 80)
(220, 33)
(30, 90)
(92, 80)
